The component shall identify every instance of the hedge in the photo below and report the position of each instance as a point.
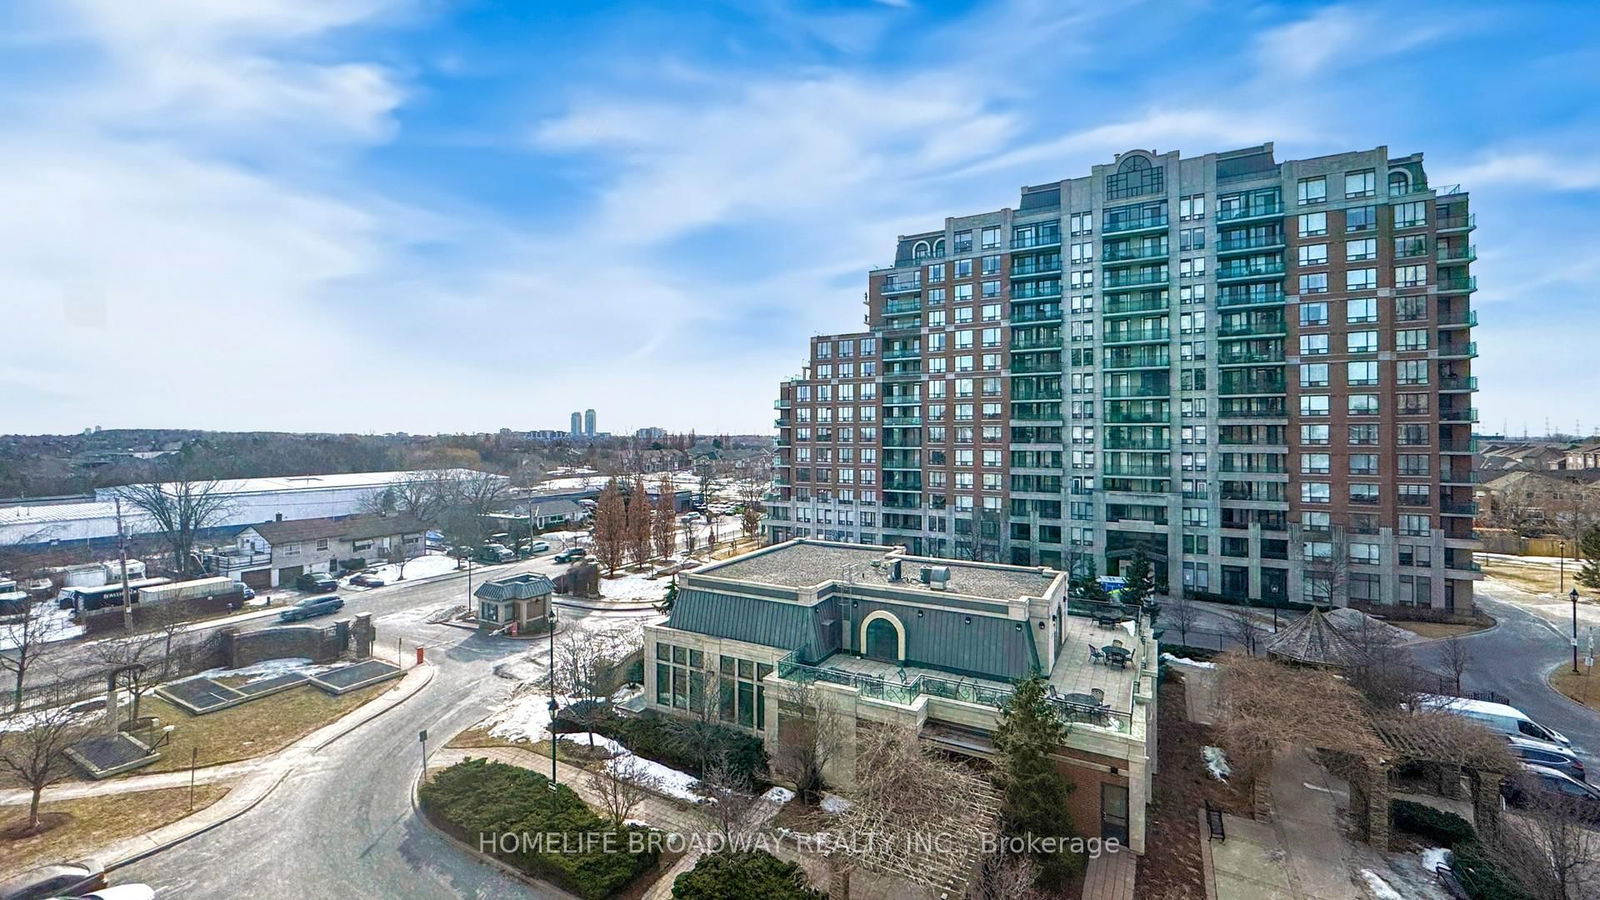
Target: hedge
(480, 799)
(688, 745)
(736, 875)
(1481, 876)
(1443, 828)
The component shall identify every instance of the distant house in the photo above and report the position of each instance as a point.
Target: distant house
(276, 553)
(520, 603)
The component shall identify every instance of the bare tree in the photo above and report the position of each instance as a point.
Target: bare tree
(1382, 667)
(611, 529)
(639, 518)
(34, 743)
(1245, 628)
(729, 791)
(1455, 655)
(399, 556)
(468, 497)
(1181, 613)
(751, 492)
(1007, 876)
(583, 661)
(810, 734)
(27, 638)
(1547, 848)
(134, 653)
(691, 538)
(664, 518)
(178, 510)
(1326, 567)
(622, 784)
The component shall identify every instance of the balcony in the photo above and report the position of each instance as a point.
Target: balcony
(1035, 365)
(903, 353)
(1462, 254)
(1458, 383)
(908, 374)
(781, 422)
(891, 307)
(901, 421)
(1458, 350)
(1131, 225)
(1458, 285)
(1229, 357)
(781, 403)
(906, 325)
(1465, 222)
(1038, 267)
(1131, 360)
(1121, 306)
(900, 286)
(1131, 252)
(234, 560)
(1244, 243)
(1239, 297)
(1046, 239)
(1048, 312)
(1136, 390)
(1468, 414)
(1031, 291)
(1136, 336)
(1458, 508)
(1116, 279)
(1466, 318)
(1249, 211)
(1036, 343)
(1458, 446)
(1237, 271)
(1269, 328)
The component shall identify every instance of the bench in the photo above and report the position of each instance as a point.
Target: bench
(1214, 822)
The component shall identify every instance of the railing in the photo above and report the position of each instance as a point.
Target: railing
(1137, 278)
(907, 690)
(1019, 270)
(1136, 335)
(1236, 243)
(1455, 350)
(1118, 226)
(1037, 343)
(1048, 239)
(1269, 328)
(1458, 223)
(891, 307)
(1116, 306)
(1469, 283)
(1458, 383)
(1463, 253)
(893, 287)
(1469, 414)
(1251, 270)
(1249, 211)
(1468, 317)
(899, 421)
(903, 353)
(1028, 291)
(1249, 298)
(1130, 252)
(231, 561)
(1140, 390)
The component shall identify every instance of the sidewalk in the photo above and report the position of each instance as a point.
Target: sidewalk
(257, 777)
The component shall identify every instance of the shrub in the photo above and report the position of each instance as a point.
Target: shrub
(1443, 828)
(733, 875)
(689, 745)
(478, 798)
(1481, 876)
(353, 564)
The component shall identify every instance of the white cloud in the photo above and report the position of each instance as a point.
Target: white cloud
(1529, 169)
(1344, 36)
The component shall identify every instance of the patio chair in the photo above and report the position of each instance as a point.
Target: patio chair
(1095, 656)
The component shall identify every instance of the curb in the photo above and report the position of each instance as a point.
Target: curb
(474, 853)
(1579, 704)
(1423, 642)
(277, 780)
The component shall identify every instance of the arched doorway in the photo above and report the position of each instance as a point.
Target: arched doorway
(882, 638)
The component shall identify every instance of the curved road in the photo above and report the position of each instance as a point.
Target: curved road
(344, 826)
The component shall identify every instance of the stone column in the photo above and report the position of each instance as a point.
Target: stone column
(1485, 804)
(1377, 779)
(1450, 781)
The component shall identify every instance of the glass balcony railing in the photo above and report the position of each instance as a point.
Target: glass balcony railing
(1139, 223)
(1118, 306)
(1468, 414)
(1253, 269)
(1249, 211)
(1129, 252)
(1463, 253)
(1458, 349)
(1136, 278)
(891, 307)
(901, 286)
(1458, 285)
(1467, 317)
(1045, 239)
(1465, 222)
(1136, 335)
(1242, 243)
(1458, 383)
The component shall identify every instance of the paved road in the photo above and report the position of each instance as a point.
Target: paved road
(345, 827)
(1513, 659)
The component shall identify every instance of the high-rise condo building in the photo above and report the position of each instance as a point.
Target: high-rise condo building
(1258, 372)
(577, 424)
(588, 422)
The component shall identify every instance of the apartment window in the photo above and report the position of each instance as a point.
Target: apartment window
(991, 361)
(991, 313)
(1360, 184)
(1316, 435)
(1192, 206)
(1313, 190)
(1361, 342)
(1411, 339)
(1362, 435)
(1361, 279)
(991, 239)
(1313, 314)
(1313, 344)
(936, 273)
(964, 266)
(935, 296)
(1413, 436)
(1314, 283)
(1363, 404)
(1314, 375)
(1361, 311)
(964, 293)
(1415, 555)
(1315, 492)
(1410, 215)
(991, 265)
(1081, 253)
(1413, 404)
(1313, 224)
(1192, 239)
(1365, 587)
(1192, 268)
(1361, 250)
(1361, 374)
(1363, 492)
(991, 289)
(1410, 276)
(1081, 223)
(1411, 371)
(1313, 254)
(1315, 463)
(1415, 590)
(1415, 526)
(1413, 464)
(1313, 404)
(1360, 218)
(935, 318)
(1364, 464)
(1411, 308)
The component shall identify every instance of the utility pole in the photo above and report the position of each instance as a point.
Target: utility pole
(122, 552)
(551, 616)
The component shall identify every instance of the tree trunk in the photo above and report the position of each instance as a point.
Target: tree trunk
(33, 809)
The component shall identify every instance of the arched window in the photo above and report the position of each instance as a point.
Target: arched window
(1399, 183)
(1133, 164)
(1135, 177)
(938, 247)
(919, 250)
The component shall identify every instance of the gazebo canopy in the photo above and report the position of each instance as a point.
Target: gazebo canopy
(1315, 640)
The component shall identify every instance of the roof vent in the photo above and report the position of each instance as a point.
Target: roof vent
(939, 577)
(927, 574)
(894, 570)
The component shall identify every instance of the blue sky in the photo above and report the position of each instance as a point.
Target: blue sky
(424, 215)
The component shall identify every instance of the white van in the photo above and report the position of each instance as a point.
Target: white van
(1497, 717)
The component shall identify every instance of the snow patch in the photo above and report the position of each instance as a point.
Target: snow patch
(272, 668)
(525, 718)
(51, 623)
(778, 795)
(421, 567)
(1186, 661)
(589, 738)
(1433, 858)
(669, 781)
(1216, 763)
(833, 803)
(633, 586)
(1380, 889)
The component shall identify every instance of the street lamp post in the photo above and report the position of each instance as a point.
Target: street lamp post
(1561, 554)
(551, 620)
(1574, 596)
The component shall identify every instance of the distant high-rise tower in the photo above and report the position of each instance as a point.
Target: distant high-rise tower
(588, 422)
(577, 424)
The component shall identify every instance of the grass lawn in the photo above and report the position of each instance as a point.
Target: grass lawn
(250, 729)
(79, 827)
(1584, 688)
(479, 736)
(1535, 577)
(1438, 629)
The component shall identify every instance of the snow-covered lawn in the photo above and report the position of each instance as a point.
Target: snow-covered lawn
(1186, 661)
(421, 567)
(525, 718)
(590, 739)
(667, 780)
(634, 586)
(271, 668)
(51, 623)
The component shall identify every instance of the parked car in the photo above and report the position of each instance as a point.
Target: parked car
(1552, 785)
(495, 553)
(313, 583)
(53, 880)
(686, 518)
(1496, 717)
(311, 607)
(1551, 756)
(571, 555)
(539, 547)
(245, 590)
(367, 579)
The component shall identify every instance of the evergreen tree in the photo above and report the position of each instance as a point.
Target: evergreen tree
(1589, 549)
(1140, 579)
(1088, 586)
(1034, 792)
(671, 597)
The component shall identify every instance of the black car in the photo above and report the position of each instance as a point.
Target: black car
(311, 607)
(1537, 783)
(316, 584)
(572, 555)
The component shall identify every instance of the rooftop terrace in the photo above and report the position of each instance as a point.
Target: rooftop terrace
(803, 563)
